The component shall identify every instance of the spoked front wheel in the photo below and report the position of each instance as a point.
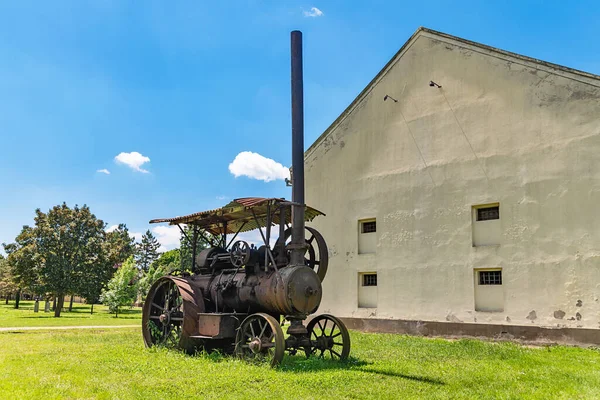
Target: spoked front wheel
(260, 340)
(329, 337)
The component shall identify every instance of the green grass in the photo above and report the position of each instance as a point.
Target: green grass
(114, 364)
(24, 316)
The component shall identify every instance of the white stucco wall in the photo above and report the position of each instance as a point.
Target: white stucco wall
(533, 146)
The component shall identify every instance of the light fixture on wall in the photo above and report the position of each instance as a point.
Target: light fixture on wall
(389, 97)
(433, 84)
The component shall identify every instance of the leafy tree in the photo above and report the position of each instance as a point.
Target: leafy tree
(117, 247)
(70, 243)
(169, 260)
(7, 285)
(149, 277)
(24, 263)
(147, 251)
(122, 288)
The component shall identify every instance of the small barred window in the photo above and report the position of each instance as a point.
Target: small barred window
(369, 227)
(490, 277)
(488, 213)
(369, 280)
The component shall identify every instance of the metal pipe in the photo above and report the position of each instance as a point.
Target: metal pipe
(297, 244)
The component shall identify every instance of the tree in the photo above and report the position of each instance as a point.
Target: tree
(24, 263)
(7, 284)
(117, 247)
(149, 277)
(70, 243)
(147, 251)
(122, 288)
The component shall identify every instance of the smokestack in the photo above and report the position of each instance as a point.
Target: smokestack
(298, 240)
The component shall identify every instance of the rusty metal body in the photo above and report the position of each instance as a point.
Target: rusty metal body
(237, 295)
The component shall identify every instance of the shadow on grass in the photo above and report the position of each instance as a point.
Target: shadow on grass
(352, 364)
(301, 364)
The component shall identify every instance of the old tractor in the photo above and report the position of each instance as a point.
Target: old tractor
(238, 296)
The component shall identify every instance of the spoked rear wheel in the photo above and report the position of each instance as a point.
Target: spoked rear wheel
(260, 340)
(329, 337)
(170, 312)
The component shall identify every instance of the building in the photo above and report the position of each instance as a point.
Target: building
(461, 190)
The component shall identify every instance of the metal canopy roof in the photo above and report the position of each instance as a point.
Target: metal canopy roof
(239, 216)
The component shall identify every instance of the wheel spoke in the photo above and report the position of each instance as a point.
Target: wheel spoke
(335, 352)
(263, 329)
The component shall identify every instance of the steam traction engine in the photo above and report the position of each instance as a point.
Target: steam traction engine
(237, 295)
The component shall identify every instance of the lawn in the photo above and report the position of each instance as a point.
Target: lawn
(24, 316)
(113, 363)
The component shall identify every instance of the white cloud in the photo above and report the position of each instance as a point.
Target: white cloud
(111, 228)
(255, 166)
(136, 235)
(254, 237)
(168, 237)
(222, 197)
(104, 171)
(314, 12)
(134, 160)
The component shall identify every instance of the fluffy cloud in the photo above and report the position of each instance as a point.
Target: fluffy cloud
(104, 171)
(222, 197)
(254, 237)
(314, 12)
(136, 235)
(167, 236)
(133, 160)
(111, 228)
(255, 166)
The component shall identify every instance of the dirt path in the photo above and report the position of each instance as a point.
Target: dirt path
(60, 328)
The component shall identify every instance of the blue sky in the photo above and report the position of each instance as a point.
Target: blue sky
(191, 84)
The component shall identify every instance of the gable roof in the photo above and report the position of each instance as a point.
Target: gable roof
(556, 69)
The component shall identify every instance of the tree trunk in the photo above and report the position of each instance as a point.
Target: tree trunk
(17, 298)
(54, 304)
(7, 298)
(91, 312)
(59, 305)
(71, 304)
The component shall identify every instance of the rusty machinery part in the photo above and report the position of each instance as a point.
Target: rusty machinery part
(329, 337)
(316, 255)
(290, 291)
(240, 253)
(260, 339)
(212, 256)
(170, 312)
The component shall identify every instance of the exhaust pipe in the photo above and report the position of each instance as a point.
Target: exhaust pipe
(298, 239)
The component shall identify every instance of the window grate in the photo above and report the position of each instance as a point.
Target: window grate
(488, 213)
(369, 280)
(490, 277)
(369, 227)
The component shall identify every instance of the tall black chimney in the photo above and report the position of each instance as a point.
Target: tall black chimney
(298, 241)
